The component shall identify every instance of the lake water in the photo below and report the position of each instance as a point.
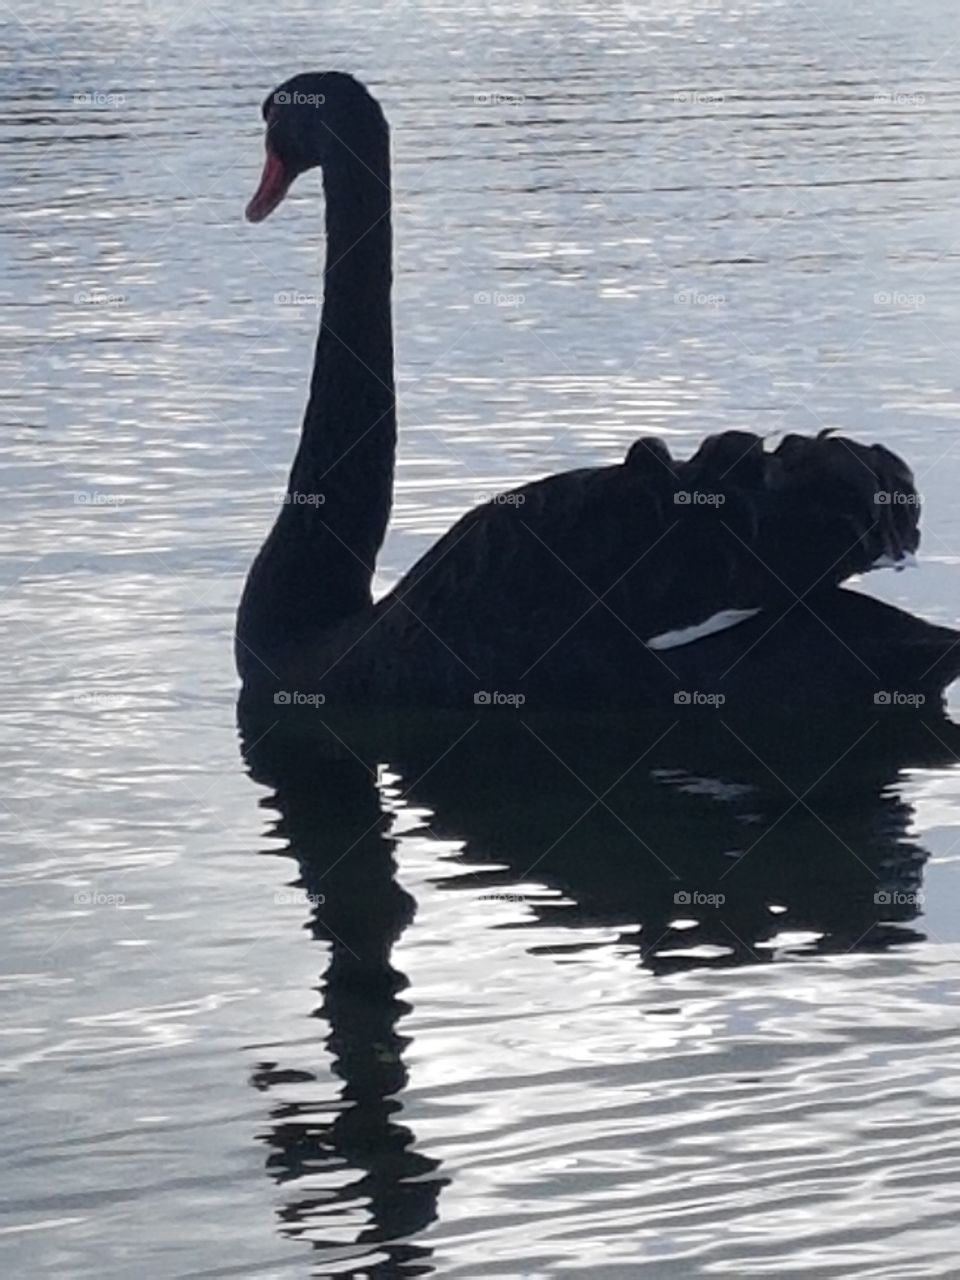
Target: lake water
(469, 1001)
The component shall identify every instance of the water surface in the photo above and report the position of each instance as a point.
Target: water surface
(424, 1003)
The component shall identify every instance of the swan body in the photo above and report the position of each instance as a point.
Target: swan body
(637, 584)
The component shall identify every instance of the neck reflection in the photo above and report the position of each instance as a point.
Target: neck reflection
(360, 1189)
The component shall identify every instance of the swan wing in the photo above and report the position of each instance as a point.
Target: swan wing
(587, 567)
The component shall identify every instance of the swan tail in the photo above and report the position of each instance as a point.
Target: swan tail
(751, 529)
(813, 512)
(841, 508)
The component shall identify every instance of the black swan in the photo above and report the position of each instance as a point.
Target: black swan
(708, 581)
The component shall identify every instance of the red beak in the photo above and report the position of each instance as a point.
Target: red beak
(274, 185)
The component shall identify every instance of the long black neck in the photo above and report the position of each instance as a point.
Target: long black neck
(316, 567)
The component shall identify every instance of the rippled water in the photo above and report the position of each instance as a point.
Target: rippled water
(471, 1029)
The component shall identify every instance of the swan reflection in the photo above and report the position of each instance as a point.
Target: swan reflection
(370, 1188)
(698, 842)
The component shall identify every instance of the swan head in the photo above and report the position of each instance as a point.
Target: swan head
(310, 119)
